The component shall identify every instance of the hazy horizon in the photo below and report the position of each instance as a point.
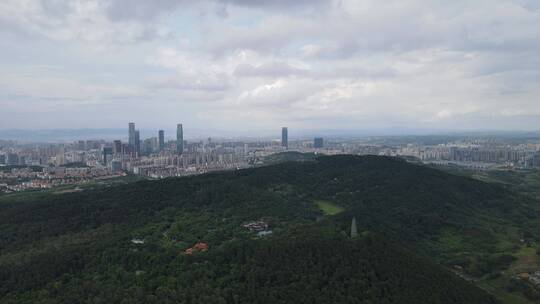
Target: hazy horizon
(65, 135)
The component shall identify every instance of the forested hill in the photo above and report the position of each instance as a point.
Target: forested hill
(129, 241)
(312, 264)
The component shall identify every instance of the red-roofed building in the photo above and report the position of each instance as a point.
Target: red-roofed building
(200, 246)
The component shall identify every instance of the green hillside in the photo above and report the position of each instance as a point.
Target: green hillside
(128, 241)
(308, 265)
(289, 156)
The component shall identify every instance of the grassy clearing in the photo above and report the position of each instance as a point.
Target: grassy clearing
(527, 261)
(329, 208)
(496, 288)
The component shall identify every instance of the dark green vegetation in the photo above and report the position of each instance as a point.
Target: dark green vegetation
(523, 181)
(526, 255)
(290, 156)
(76, 247)
(76, 165)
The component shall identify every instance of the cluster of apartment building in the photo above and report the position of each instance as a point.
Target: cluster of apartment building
(21, 179)
(155, 157)
(519, 156)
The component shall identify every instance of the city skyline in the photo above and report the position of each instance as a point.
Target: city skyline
(66, 135)
(233, 65)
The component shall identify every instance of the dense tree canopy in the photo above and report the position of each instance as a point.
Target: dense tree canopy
(77, 247)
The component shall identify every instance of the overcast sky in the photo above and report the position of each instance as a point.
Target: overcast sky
(262, 64)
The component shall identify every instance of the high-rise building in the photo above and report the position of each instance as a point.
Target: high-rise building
(12, 159)
(80, 145)
(318, 143)
(117, 147)
(179, 139)
(127, 149)
(148, 146)
(116, 166)
(161, 140)
(92, 144)
(285, 137)
(106, 155)
(131, 140)
(536, 160)
(137, 143)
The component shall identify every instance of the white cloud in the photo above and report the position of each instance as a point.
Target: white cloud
(274, 69)
(307, 64)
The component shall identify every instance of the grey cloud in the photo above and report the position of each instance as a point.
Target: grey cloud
(56, 8)
(272, 35)
(203, 83)
(70, 21)
(142, 9)
(283, 69)
(281, 4)
(283, 59)
(501, 63)
(471, 27)
(275, 3)
(148, 10)
(274, 69)
(356, 72)
(530, 4)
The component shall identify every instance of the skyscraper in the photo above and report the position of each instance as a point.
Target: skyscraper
(161, 140)
(318, 143)
(179, 139)
(117, 147)
(137, 143)
(131, 137)
(106, 153)
(148, 146)
(285, 137)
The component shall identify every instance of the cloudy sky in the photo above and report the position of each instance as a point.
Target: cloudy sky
(262, 64)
